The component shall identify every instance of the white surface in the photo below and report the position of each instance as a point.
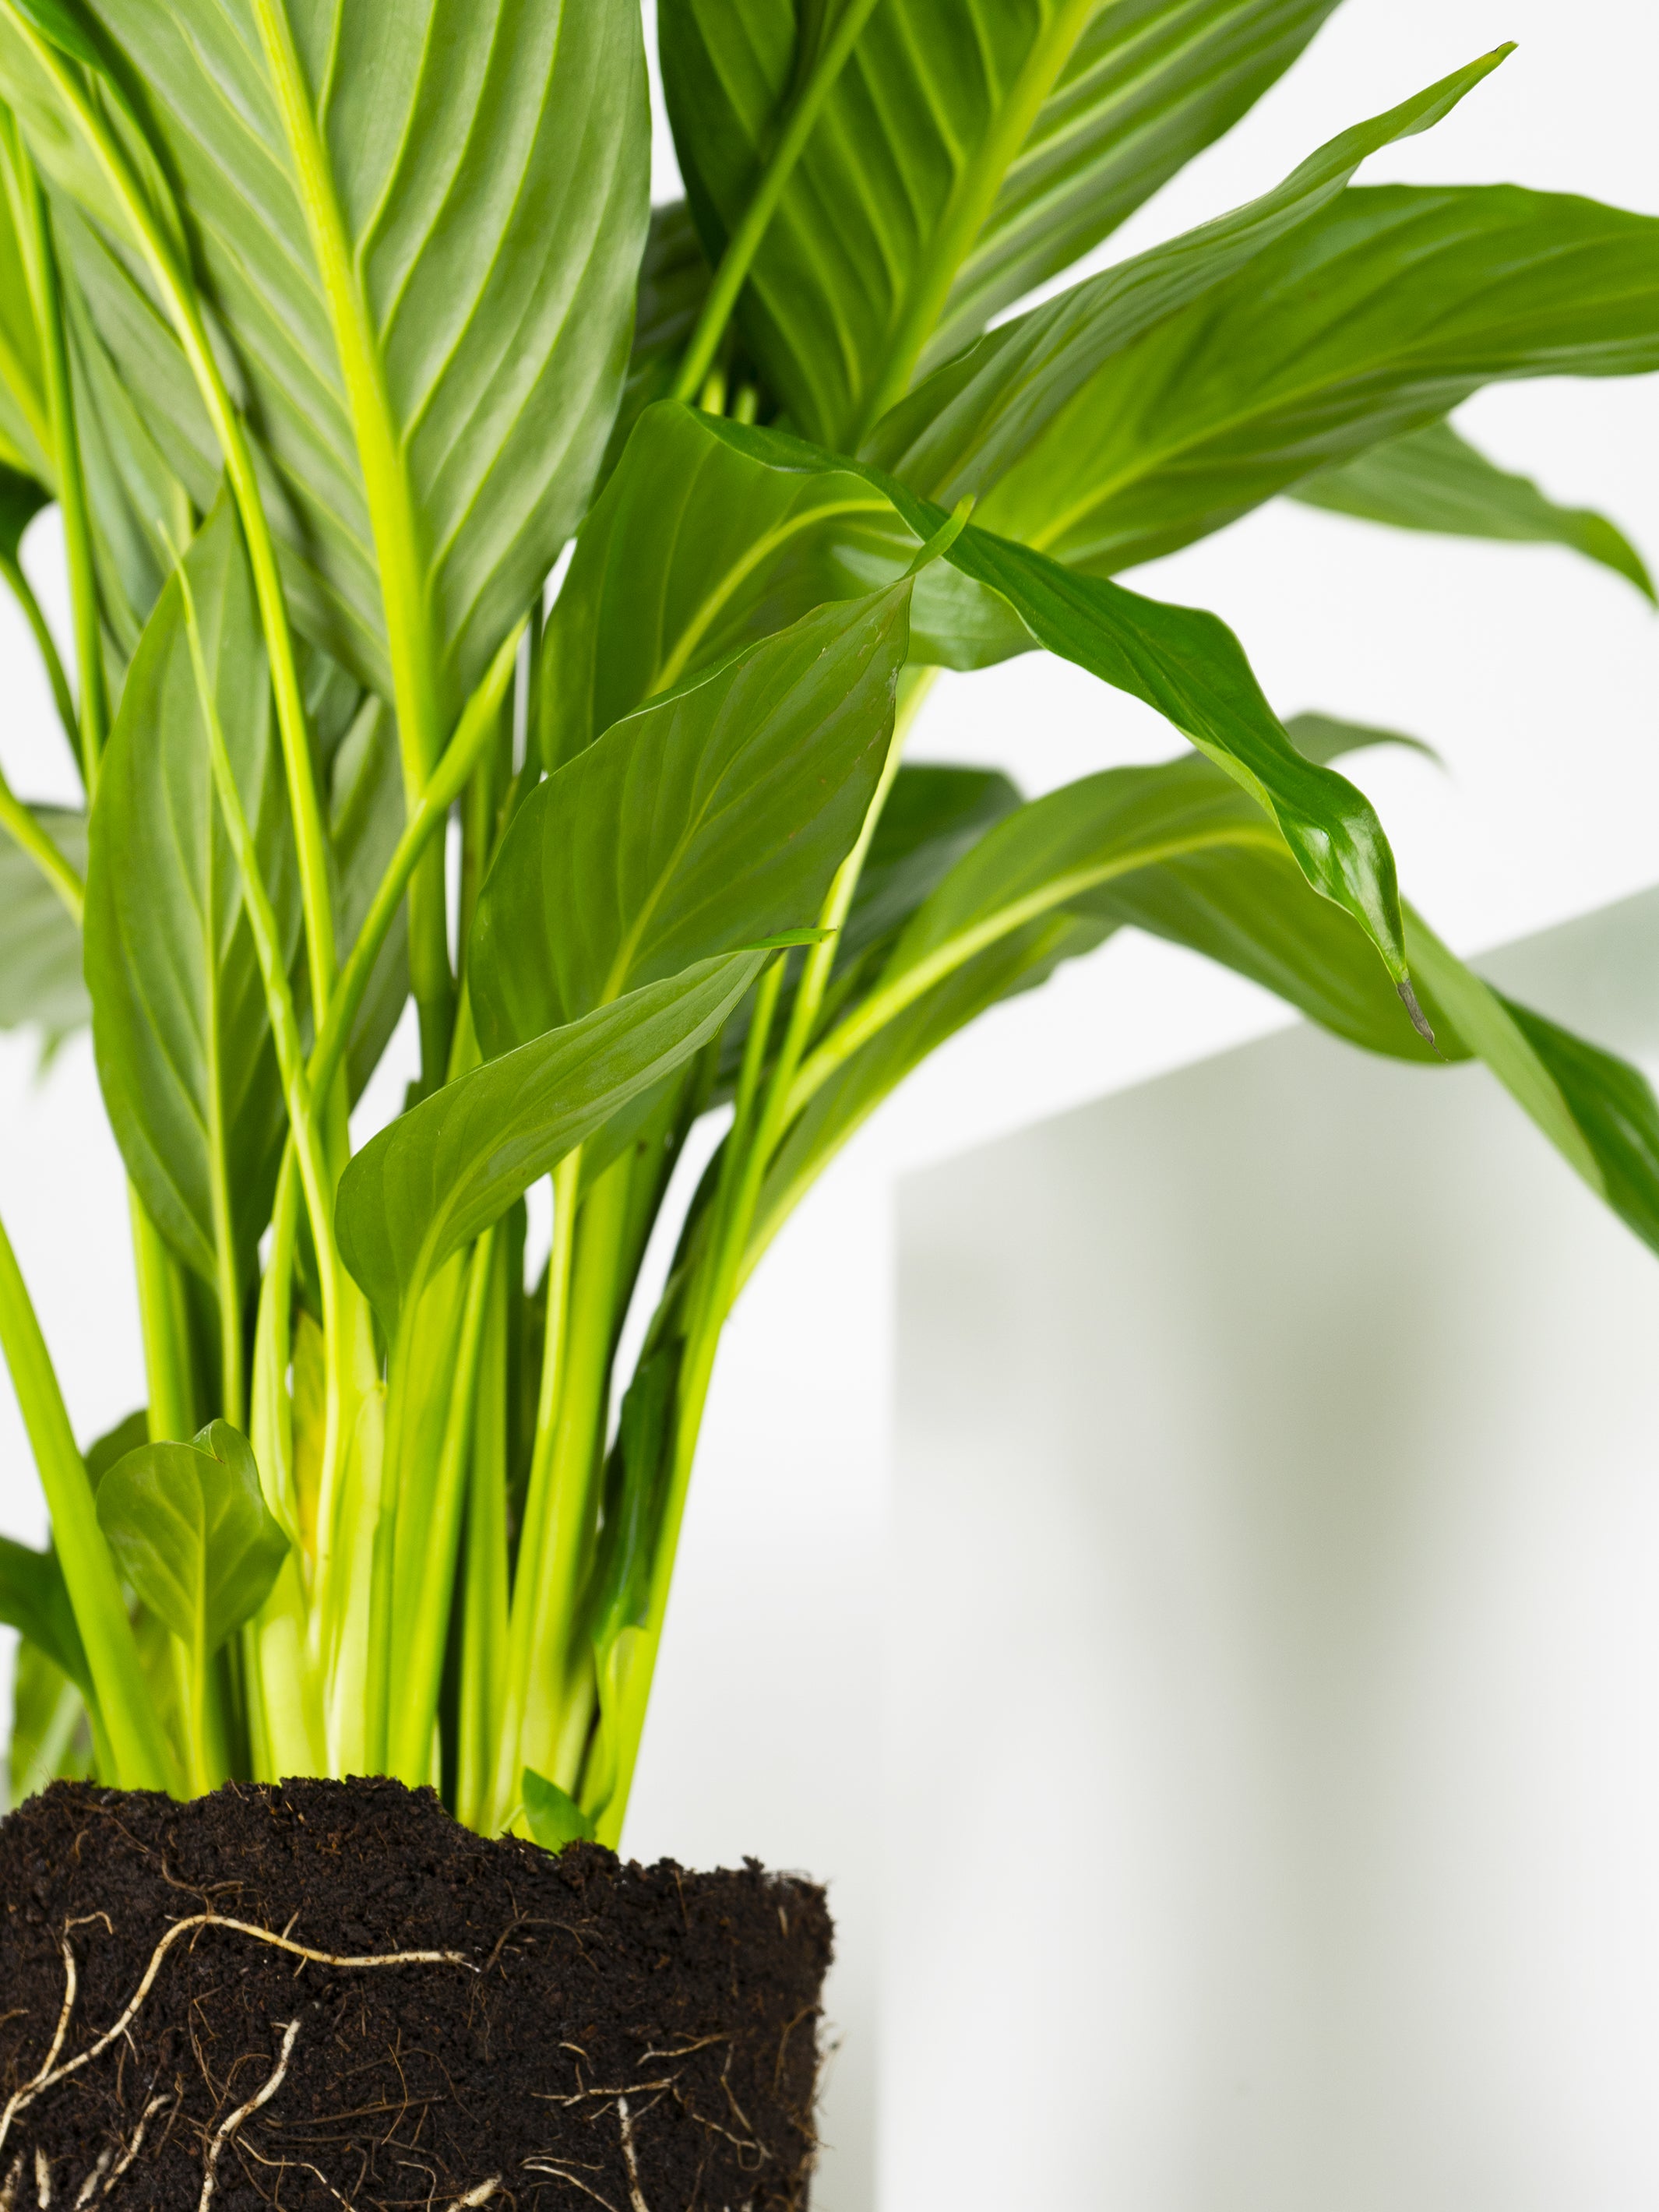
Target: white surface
(1273, 1670)
(1534, 673)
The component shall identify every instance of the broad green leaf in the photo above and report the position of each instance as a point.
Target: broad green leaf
(969, 150)
(179, 1025)
(1376, 317)
(643, 603)
(435, 382)
(41, 980)
(34, 1600)
(555, 1818)
(190, 1532)
(1325, 737)
(1434, 479)
(1613, 1107)
(976, 418)
(441, 1173)
(704, 822)
(115, 1443)
(708, 537)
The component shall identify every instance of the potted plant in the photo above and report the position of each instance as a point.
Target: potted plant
(328, 331)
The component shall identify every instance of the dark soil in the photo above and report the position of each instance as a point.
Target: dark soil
(637, 2037)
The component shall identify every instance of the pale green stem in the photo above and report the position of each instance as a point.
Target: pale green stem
(485, 1597)
(63, 698)
(745, 241)
(420, 1665)
(142, 1759)
(533, 1537)
(393, 517)
(165, 1330)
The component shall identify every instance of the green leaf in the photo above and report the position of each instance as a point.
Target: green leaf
(934, 814)
(40, 980)
(968, 151)
(49, 1733)
(190, 1532)
(20, 500)
(115, 1443)
(1376, 317)
(442, 410)
(973, 420)
(34, 1600)
(555, 1818)
(442, 1173)
(182, 1037)
(707, 820)
(651, 591)
(1434, 479)
(1613, 1107)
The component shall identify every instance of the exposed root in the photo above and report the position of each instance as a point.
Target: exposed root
(635, 2194)
(262, 2095)
(51, 2073)
(155, 2104)
(88, 2188)
(42, 2181)
(563, 2173)
(8, 2187)
(474, 2197)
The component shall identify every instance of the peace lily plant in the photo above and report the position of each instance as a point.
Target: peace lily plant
(329, 328)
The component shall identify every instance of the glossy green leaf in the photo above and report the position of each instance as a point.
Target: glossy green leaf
(190, 1532)
(980, 415)
(555, 1819)
(708, 820)
(1434, 479)
(1613, 1108)
(640, 608)
(1375, 318)
(40, 983)
(179, 1025)
(443, 1172)
(34, 1600)
(446, 408)
(968, 150)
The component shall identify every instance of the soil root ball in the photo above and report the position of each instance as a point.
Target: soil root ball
(327, 1994)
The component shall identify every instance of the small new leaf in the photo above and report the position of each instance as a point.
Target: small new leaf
(190, 1532)
(555, 1817)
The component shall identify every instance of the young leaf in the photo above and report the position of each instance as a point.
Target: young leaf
(34, 1600)
(1434, 479)
(446, 1171)
(969, 424)
(1378, 316)
(964, 153)
(190, 1531)
(179, 1025)
(709, 820)
(555, 1819)
(432, 338)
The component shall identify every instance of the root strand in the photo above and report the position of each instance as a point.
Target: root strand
(262, 2095)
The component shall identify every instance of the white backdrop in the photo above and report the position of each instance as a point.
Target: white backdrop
(1533, 673)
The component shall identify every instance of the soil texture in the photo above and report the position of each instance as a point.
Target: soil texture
(328, 1995)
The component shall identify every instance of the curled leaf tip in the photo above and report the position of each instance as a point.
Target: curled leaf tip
(944, 536)
(1420, 1019)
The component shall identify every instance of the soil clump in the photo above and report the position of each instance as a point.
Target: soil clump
(404, 2015)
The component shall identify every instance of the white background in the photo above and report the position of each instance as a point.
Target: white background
(1532, 673)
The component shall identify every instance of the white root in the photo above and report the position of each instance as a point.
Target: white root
(88, 2188)
(262, 2095)
(154, 2105)
(9, 2188)
(52, 2074)
(474, 2197)
(42, 2179)
(635, 2194)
